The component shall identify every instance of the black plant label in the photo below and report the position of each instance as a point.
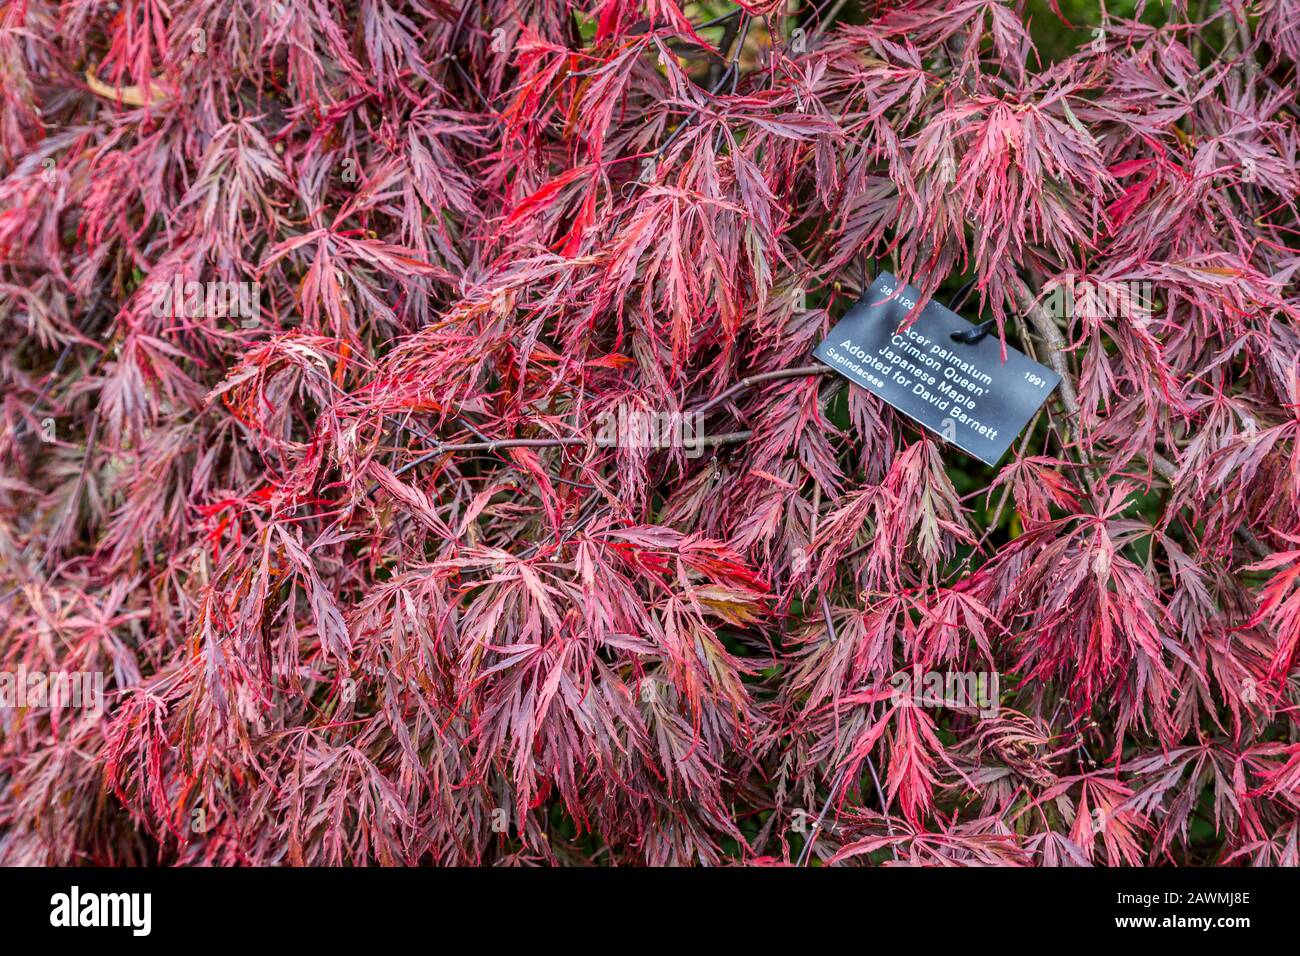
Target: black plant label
(962, 391)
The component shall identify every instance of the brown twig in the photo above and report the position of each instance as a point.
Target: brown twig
(1046, 328)
(751, 380)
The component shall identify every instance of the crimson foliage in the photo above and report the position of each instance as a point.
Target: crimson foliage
(369, 585)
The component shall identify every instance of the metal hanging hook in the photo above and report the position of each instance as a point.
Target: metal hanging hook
(976, 333)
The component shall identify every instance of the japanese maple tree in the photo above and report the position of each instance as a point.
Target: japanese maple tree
(367, 581)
